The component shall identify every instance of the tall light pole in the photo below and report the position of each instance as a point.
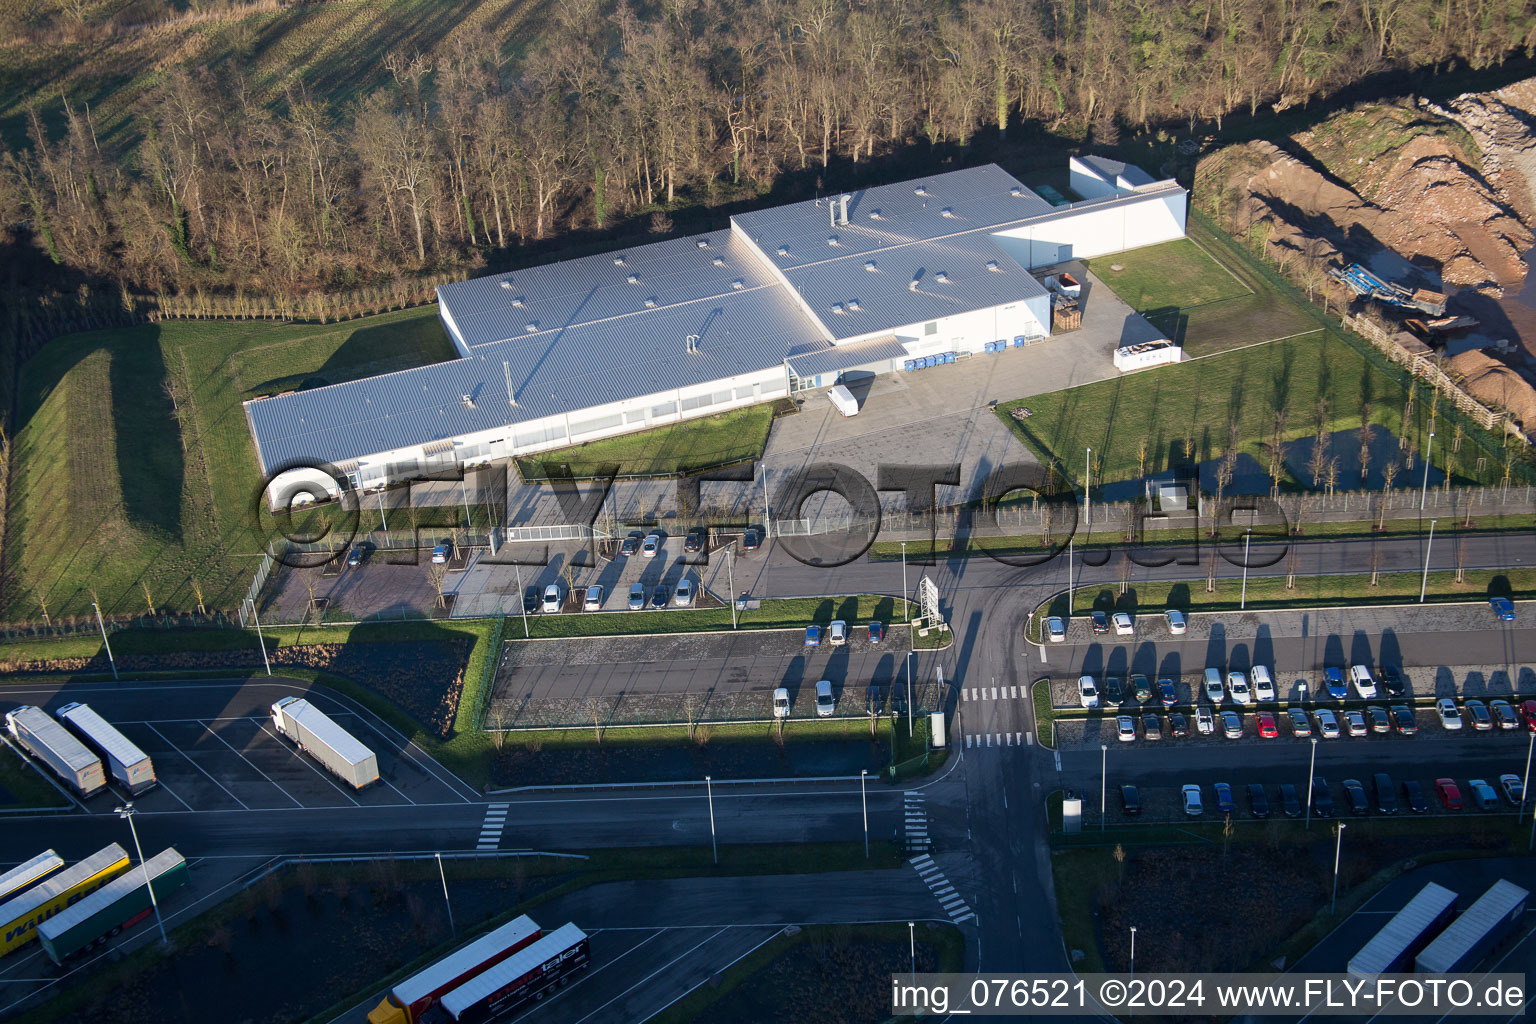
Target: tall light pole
(709, 791)
(1424, 583)
(1088, 487)
(730, 579)
(1337, 847)
(1311, 774)
(909, 690)
(1069, 580)
(1104, 781)
(126, 811)
(906, 613)
(1525, 784)
(108, 644)
(454, 931)
(260, 640)
(912, 940)
(1131, 1012)
(1429, 446)
(521, 597)
(1247, 539)
(864, 774)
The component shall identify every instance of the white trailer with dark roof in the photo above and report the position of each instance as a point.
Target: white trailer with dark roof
(51, 743)
(1411, 929)
(24, 875)
(129, 765)
(1474, 934)
(313, 732)
(526, 976)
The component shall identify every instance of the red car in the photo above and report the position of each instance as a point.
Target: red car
(1268, 728)
(1450, 795)
(1528, 714)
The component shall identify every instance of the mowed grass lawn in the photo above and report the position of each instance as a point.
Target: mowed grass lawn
(1199, 397)
(133, 465)
(1172, 275)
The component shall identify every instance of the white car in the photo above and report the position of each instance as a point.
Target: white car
(1124, 626)
(1365, 685)
(636, 596)
(1327, 725)
(683, 595)
(1176, 623)
(651, 546)
(838, 634)
(1214, 691)
(824, 702)
(594, 601)
(1125, 728)
(1055, 630)
(1450, 714)
(781, 702)
(1237, 685)
(1087, 692)
(1192, 805)
(1263, 683)
(1205, 721)
(552, 599)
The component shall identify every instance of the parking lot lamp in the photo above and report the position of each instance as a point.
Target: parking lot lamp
(1311, 774)
(864, 774)
(905, 612)
(260, 641)
(1424, 583)
(1088, 487)
(709, 791)
(108, 644)
(522, 598)
(910, 655)
(126, 811)
(1526, 780)
(912, 941)
(1429, 446)
(1104, 780)
(1133, 949)
(1247, 540)
(730, 579)
(1337, 847)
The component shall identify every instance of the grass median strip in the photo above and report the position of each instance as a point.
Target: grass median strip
(780, 613)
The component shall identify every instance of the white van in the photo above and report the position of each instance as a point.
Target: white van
(843, 400)
(1263, 684)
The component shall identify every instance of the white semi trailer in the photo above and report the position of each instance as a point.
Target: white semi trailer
(313, 732)
(129, 765)
(51, 743)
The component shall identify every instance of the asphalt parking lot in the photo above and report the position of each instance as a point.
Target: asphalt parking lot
(215, 749)
(726, 676)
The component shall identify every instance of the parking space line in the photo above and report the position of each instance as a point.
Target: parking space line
(168, 789)
(194, 764)
(299, 756)
(686, 953)
(258, 771)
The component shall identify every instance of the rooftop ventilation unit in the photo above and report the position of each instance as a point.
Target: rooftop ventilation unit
(1016, 192)
(992, 266)
(843, 202)
(921, 190)
(633, 279)
(834, 240)
(869, 265)
(650, 303)
(703, 243)
(518, 302)
(506, 282)
(469, 402)
(618, 261)
(532, 326)
(837, 307)
(738, 284)
(782, 251)
(853, 304)
(691, 344)
(912, 286)
(941, 277)
(947, 212)
(874, 214)
(718, 261)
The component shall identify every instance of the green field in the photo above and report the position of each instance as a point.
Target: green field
(133, 466)
(21, 785)
(1173, 275)
(718, 440)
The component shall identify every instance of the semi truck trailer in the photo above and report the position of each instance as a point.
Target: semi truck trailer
(28, 874)
(526, 976)
(118, 905)
(51, 743)
(128, 764)
(20, 915)
(313, 732)
(409, 1000)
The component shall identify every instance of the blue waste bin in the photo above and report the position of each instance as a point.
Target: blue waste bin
(907, 365)
(949, 357)
(1018, 341)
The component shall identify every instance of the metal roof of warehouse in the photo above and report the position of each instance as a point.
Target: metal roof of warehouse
(831, 358)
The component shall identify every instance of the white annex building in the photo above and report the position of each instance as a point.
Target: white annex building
(783, 300)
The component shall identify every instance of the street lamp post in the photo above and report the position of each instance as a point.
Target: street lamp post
(522, 599)
(1311, 774)
(1424, 583)
(452, 930)
(906, 613)
(108, 644)
(912, 940)
(1337, 847)
(909, 692)
(1104, 780)
(1247, 540)
(709, 791)
(1088, 487)
(260, 641)
(730, 579)
(864, 774)
(1526, 781)
(1429, 446)
(126, 811)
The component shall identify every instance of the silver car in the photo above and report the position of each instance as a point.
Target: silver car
(1232, 725)
(552, 600)
(1327, 725)
(636, 596)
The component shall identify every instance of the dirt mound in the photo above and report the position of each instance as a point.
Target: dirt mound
(1501, 123)
(1496, 385)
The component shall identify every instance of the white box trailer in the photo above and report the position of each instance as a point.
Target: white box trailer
(843, 400)
(51, 743)
(313, 732)
(1410, 930)
(128, 764)
(24, 875)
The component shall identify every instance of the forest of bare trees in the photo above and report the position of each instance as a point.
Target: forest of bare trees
(617, 108)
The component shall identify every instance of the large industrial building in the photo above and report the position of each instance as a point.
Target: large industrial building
(783, 300)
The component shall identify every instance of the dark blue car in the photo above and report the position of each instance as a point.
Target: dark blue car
(1333, 680)
(1166, 693)
(1503, 608)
